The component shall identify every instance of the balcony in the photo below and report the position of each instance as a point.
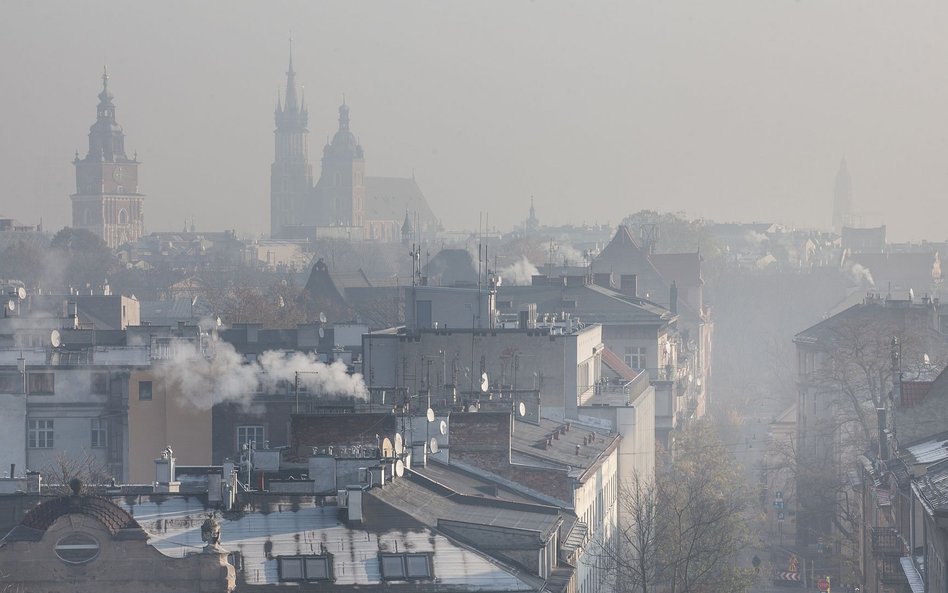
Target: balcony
(886, 542)
(890, 572)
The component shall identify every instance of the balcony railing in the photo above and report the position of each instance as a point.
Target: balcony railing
(890, 572)
(886, 541)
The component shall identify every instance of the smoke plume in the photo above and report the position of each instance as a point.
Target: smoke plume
(217, 373)
(859, 273)
(519, 273)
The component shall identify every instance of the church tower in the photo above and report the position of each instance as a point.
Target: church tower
(107, 201)
(291, 175)
(341, 187)
(842, 199)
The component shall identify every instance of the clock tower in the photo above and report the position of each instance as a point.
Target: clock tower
(107, 201)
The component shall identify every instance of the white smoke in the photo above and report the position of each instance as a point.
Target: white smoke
(755, 238)
(859, 273)
(220, 374)
(569, 255)
(520, 273)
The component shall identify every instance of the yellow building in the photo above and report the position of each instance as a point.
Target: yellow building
(159, 416)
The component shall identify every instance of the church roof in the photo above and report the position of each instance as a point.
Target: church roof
(388, 198)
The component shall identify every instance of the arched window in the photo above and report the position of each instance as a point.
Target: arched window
(123, 216)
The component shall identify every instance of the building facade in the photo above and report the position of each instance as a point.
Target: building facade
(107, 201)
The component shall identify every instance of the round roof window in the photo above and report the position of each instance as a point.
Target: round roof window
(77, 548)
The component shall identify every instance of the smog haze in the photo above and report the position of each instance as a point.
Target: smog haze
(724, 110)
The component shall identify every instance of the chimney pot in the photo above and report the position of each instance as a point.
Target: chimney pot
(577, 449)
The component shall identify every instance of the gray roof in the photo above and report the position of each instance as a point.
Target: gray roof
(388, 198)
(427, 503)
(297, 526)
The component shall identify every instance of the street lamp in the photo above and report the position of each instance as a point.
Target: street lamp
(297, 385)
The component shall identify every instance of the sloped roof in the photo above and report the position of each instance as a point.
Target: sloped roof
(388, 198)
(290, 526)
(682, 268)
(591, 303)
(612, 360)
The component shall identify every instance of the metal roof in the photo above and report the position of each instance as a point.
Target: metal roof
(929, 451)
(285, 527)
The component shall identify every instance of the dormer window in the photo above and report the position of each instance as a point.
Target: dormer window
(306, 568)
(400, 567)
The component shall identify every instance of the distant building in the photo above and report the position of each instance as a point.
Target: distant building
(107, 201)
(343, 203)
(842, 199)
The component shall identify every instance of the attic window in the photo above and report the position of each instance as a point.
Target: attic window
(306, 568)
(405, 566)
(77, 548)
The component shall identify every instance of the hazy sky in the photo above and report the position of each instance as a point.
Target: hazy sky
(732, 110)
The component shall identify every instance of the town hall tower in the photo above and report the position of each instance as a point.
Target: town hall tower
(107, 201)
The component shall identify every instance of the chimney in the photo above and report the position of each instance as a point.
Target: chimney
(673, 297)
(628, 285)
(883, 435)
(164, 473)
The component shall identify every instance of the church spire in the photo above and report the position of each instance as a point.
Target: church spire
(291, 105)
(343, 115)
(105, 97)
(842, 198)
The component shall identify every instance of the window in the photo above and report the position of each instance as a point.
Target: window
(100, 383)
(249, 434)
(144, 390)
(306, 568)
(42, 383)
(11, 383)
(41, 434)
(405, 566)
(635, 357)
(99, 433)
(77, 548)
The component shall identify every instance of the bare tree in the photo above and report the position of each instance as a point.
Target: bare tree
(630, 560)
(65, 468)
(700, 505)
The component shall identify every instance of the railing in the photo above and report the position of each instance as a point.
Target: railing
(890, 571)
(886, 541)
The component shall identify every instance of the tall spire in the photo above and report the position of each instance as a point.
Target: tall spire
(343, 115)
(105, 96)
(291, 105)
(842, 198)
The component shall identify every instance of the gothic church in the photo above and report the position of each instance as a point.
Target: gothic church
(343, 203)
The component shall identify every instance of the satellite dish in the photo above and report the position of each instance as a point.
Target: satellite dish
(399, 468)
(54, 339)
(21, 293)
(443, 427)
(430, 415)
(485, 384)
(399, 444)
(522, 409)
(387, 449)
(11, 305)
(926, 359)
(433, 445)
(322, 317)
(322, 334)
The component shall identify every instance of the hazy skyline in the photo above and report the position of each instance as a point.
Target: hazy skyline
(730, 110)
